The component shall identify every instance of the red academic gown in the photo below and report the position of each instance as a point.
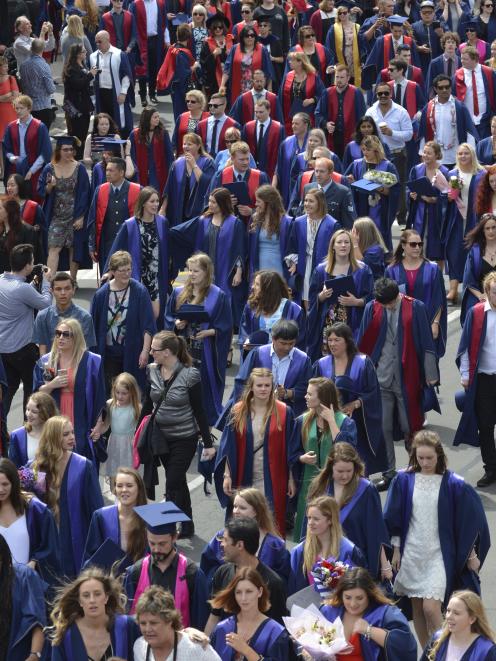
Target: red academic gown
(182, 129)
(127, 28)
(201, 129)
(353, 109)
(266, 159)
(102, 201)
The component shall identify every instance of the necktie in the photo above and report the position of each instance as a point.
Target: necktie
(397, 94)
(258, 96)
(259, 142)
(474, 93)
(240, 177)
(450, 67)
(213, 141)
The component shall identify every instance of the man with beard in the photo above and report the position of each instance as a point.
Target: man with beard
(166, 566)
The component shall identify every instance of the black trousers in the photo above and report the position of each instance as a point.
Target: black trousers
(19, 367)
(107, 102)
(45, 116)
(112, 367)
(78, 126)
(176, 463)
(485, 411)
(400, 161)
(152, 43)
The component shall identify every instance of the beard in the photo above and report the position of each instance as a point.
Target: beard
(161, 557)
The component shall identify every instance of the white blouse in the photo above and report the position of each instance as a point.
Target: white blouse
(17, 537)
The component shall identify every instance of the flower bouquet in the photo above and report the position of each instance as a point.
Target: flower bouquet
(32, 480)
(455, 187)
(326, 574)
(315, 635)
(386, 179)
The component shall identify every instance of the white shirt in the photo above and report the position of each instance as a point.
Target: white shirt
(32, 446)
(263, 94)
(17, 537)
(105, 79)
(487, 358)
(187, 650)
(280, 366)
(151, 17)
(481, 93)
(265, 127)
(397, 120)
(210, 128)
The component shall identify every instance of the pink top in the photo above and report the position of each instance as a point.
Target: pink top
(67, 397)
(411, 276)
(481, 49)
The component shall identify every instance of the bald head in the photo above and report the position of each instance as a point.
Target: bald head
(102, 40)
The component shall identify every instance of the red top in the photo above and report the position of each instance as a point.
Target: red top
(411, 276)
(356, 655)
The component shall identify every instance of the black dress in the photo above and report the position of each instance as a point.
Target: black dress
(77, 97)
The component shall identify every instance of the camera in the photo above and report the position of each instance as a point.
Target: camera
(36, 276)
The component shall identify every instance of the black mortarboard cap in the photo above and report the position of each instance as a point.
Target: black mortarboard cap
(161, 518)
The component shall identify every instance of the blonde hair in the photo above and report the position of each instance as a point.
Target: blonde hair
(67, 609)
(90, 20)
(331, 257)
(119, 259)
(79, 343)
(241, 410)
(306, 65)
(129, 383)
(47, 458)
(196, 140)
(476, 166)
(328, 507)
(319, 133)
(157, 601)
(203, 261)
(368, 234)
(475, 608)
(75, 27)
(197, 94)
(374, 143)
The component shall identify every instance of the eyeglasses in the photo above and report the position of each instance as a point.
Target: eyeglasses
(383, 93)
(66, 334)
(442, 88)
(310, 36)
(342, 13)
(155, 350)
(250, 35)
(191, 101)
(215, 105)
(489, 5)
(414, 244)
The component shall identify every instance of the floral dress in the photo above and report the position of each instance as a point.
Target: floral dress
(61, 230)
(246, 72)
(149, 258)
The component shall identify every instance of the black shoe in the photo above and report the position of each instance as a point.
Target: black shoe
(187, 530)
(153, 100)
(383, 483)
(144, 102)
(488, 478)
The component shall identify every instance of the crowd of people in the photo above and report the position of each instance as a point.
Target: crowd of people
(255, 234)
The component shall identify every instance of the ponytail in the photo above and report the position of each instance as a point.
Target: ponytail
(176, 345)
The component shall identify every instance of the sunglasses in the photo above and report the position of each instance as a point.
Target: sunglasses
(66, 334)
(470, 30)
(215, 105)
(342, 13)
(250, 35)
(246, 11)
(198, 13)
(414, 244)
(191, 101)
(383, 93)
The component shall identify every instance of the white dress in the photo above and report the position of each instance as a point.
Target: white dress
(422, 573)
(120, 443)
(187, 650)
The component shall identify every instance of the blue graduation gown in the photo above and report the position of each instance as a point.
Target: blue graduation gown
(373, 257)
(384, 213)
(177, 210)
(81, 206)
(97, 178)
(251, 322)
(427, 219)
(266, 67)
(428, 288)
(28, 611)
(364, 284)
(288, 151)
(270, 640)
(456, 228)
(18, 446)
(44, 545)
(104, 525)
(462, 524)
(272, 552)
(123, 633)
(300, 164)
(43, 148)
(124, 70)
(360, 382)
(80, 496)
(152, 175)
(139, 320)
(231, 247)
(400, 642)
(436, 67)
(228, 453)
(422, 337)
(348, 553)
(297, 376)
(215, 349)
(484, 151)
(482, 649)
(253, 247)
(129, 238)
(298, 244)
(471, 280)
(88, 380)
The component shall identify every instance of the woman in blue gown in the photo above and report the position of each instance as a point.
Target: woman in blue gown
(324, 540)
(366, 126)
(72, 489)
(372, 624)
(369, 246)
(89, 622)
(24, 440)
(208, 341)
(247, 597)
(466, 629)
(272, 551)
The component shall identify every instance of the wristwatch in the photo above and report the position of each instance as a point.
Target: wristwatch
(36, 654)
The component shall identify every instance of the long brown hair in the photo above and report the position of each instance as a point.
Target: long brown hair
(223, 198)
(429, 439)
(476, 235)
(320, 483)
(46, 406)
(256, 499)
(203, 261)
(274, 209)
(331, 255)
(358, 578)
(136, 539)
(328, 394)
(272, 289)
(475, 608)
(13, 210)
(399, 253)
(18, 499)
(328, 507)
(226, 598)
(241, 410)
(144, 126)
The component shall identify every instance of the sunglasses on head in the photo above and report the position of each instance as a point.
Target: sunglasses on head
(66, 334)
(414, 244)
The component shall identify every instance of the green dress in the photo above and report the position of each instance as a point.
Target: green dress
(321, 443)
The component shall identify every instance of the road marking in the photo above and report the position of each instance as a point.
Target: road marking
(453, 316)
(194, 484)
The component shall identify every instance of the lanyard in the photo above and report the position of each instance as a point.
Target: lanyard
(174, 656)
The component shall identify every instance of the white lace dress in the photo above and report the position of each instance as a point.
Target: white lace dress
(422, 573)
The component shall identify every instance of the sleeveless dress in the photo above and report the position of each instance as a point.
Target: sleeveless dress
(61, 230)
(7, 112)
(120, 444)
